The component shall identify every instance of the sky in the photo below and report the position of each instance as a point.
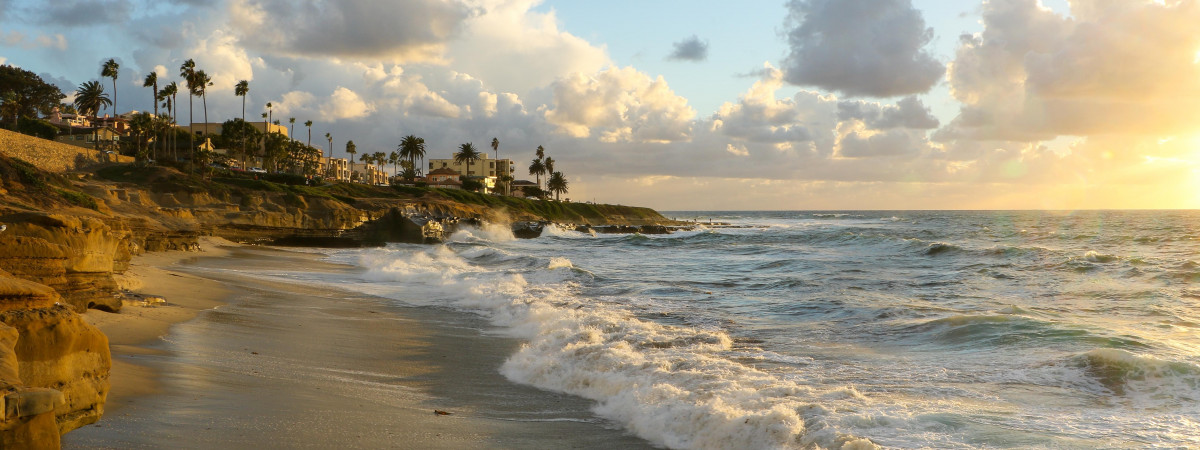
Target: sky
(696, 105)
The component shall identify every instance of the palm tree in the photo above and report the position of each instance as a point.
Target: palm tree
(412, 147)
(292, 128)
(168, 94)
(151, 81)
(466, 154)
(549, 163)
(557, 184)
(540, 152)
(270, 116)
(328, 168)
(308, 123)
(537, 169)
(89, 99)
(351, 149)
(241, 89)
(111, 69)
(187, 71)
(203, 81)
(496, 148)
(394, 160)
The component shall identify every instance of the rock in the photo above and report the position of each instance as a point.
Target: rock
(58, 349)
(527, 230)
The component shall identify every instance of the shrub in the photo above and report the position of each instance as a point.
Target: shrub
(37, 127)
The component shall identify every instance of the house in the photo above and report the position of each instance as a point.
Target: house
(337, 169)
(484, 167)
(521, 188)
(370, 174)
(444, 178)
(215, 128)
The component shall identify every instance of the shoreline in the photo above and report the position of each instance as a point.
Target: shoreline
(131, 331)
(249, 361)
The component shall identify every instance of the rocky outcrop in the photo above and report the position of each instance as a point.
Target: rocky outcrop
(53, 366)
(75, 255)
(58, 349)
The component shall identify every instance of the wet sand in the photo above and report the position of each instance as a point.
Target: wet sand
(269, 364)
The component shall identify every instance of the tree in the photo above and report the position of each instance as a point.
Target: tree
(141, 127)
(151, 81)
(496, 148)
(351, 149)
(111, 69)
(540, 152)
(240, 132)
(557, 184)
(10, 107)
(241, 89)
(168, 94)
(329, 167)
(89, 98)
(466, 154)
(412, 147)
(308, 123)
(33, 95)
(537, 169)
(187, 71)
(203, 81)
(291, 127)
(549, 163)
(394, 160)
(270, 117)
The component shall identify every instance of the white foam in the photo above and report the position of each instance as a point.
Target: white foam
(674, 386)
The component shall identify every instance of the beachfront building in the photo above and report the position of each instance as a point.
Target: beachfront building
(444, 178)
(215, 128)
(370, 174)
(337, 169)
(484, 167)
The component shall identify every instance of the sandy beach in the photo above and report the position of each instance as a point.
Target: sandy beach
(233, 360)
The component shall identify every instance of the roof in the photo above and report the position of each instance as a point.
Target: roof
(519, 183)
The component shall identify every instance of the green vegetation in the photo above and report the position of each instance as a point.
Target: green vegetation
(78, 199)
(232, 184)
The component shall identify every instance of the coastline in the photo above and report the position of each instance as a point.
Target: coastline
(244, 362)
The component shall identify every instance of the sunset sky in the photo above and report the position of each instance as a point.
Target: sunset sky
(710, 105)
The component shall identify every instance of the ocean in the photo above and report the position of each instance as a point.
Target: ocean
(799, 329)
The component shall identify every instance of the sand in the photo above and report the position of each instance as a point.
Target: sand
(236, 361)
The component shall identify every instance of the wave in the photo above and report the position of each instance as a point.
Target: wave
(1125, 373)
(938, 249)
(676, 386)
(1008, 327)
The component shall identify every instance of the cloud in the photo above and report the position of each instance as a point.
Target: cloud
(75, 13)
(737, 149)
(622, 105)
(690, 49)
(513, 48)
(759, 116)
(859, 142)
(873, 48)
(1111, 68)
(413, 30)
(18, 39)
(909, 112)
(345, 104)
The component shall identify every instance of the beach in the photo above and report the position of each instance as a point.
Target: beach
(235, 361)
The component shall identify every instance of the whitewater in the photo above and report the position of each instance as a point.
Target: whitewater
(840, 329)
